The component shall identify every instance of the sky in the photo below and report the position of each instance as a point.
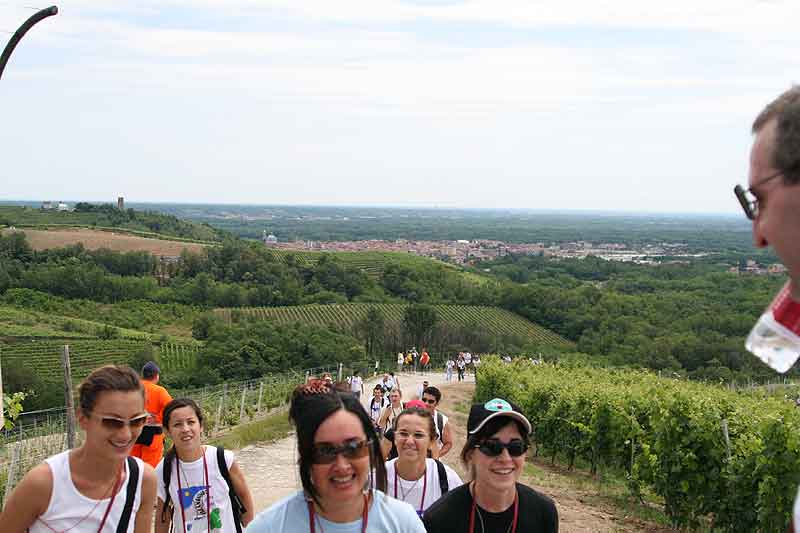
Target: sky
(616, 105)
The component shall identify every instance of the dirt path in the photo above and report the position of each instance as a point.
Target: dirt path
(271, 469)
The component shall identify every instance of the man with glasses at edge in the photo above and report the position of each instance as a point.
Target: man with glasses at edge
(431, 397)
(772, 200)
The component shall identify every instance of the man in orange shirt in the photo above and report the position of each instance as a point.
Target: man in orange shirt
(156, 398)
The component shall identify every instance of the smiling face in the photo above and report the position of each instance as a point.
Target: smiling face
(395, 397)
(430, 401)
(103, 440)
(343, 480)
(502, 472)
(413, 437)
(185, 430)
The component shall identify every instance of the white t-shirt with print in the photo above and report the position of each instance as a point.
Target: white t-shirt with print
(411, 491)
(193, 499)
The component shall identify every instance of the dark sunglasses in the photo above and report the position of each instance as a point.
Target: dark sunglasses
(493, 448)
(325, 454)
(429, 401)
(115, 424)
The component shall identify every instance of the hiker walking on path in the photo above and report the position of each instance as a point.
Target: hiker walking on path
(96, 487)
(343, 476)
(424, 360)
(150, 445)
(412, 476)
(389, 415)
(444, 437)
(376, 406)
(201, 489)
(495, 450)
(460, 366)
(448, 366)
(357, 384)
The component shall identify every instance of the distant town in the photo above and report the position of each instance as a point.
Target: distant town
(463, 252)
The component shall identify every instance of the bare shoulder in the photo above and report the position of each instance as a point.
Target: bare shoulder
(148, 474)
(39, 481)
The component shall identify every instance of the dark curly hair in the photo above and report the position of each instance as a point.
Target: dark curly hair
(785, 109)
(311, 405)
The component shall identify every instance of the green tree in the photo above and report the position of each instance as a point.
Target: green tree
(419, 321)
(370, 330)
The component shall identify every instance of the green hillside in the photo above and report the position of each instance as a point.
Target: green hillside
(143, 223)
(16, 322)
(372, 263)
(344, 316)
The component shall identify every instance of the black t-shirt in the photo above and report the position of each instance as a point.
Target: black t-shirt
(450, 514)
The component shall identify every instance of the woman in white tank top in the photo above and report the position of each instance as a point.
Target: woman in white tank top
(95, 488)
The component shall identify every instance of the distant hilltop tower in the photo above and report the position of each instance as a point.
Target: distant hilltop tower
(121, 203)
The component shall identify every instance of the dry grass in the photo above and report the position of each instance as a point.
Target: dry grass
(94, 239)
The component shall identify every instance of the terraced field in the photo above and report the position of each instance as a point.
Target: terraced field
(344, 316)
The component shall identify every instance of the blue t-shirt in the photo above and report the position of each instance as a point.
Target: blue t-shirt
(290, 515)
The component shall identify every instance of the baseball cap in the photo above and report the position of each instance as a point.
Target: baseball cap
(415, 403)
(481, 413)
(150, 369)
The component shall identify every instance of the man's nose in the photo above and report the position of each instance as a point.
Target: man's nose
(759, 239)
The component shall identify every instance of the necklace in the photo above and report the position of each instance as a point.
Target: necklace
(312, 516)
(114, 489)
(180, 491)
(424, 488)
(512, 528)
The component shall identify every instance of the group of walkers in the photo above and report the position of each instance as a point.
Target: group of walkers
(413, 361)
(360, 470)
(462, 364)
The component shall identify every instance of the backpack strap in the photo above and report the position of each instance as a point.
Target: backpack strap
(236, 504)
(130, 495)
(443, 484)
(439, 424)
(166, 475)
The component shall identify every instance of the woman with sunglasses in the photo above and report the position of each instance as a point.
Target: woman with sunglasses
(343, 476)
(412, 476)
(197, 498)
(95, 488)
(493, 500)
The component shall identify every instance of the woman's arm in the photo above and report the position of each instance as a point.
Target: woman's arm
(144, 516)
(447, 440)
(243, 491)
(28, 501)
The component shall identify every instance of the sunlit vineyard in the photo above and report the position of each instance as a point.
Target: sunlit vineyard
(174, 357)
(373, 263)
(708, 453)
(44, 357)
(345, 316)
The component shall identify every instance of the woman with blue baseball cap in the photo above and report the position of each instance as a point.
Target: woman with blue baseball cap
(493, 501)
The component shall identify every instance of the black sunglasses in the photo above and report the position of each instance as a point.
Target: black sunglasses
(493, 447)
(325, 454)
(749, 202)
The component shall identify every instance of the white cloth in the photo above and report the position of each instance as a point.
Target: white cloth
(412, 490)
(193, 499)
(290, 515)
(67, 506)
(439, 430)
(355, 383)
(374, 408)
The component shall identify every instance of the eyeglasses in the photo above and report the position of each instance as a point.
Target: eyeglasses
(325, 454)
(429, 401)
(749, 202)
(493, 447)
(113, 423)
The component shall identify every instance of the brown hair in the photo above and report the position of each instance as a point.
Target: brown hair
(490, 428)
(785, 109)
(422, 413)
(109, 378)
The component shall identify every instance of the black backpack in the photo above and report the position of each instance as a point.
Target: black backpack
(236, 503)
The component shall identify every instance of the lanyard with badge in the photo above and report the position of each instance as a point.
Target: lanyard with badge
(421, 509)
(180, 492)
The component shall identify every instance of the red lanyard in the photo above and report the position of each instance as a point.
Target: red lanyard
(424, 487)
(114, 491)
(180, 491)
(312, 514)
(513, 522)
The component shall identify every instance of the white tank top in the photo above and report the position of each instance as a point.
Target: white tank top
(67, 506)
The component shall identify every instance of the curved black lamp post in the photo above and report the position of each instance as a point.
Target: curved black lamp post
(28, 24)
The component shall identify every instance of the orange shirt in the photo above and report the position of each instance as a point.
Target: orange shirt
(156, 398)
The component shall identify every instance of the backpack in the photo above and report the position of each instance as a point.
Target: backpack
(443, 484)
(236, 504)
(439, 423)
(130, 495)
